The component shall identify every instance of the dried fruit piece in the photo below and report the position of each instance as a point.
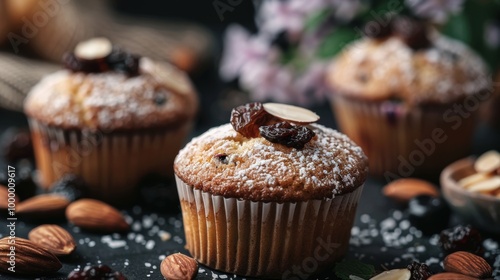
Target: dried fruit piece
(419, 271)
(222, 158)
(15, 144)
(179, 266)
(291, 113)
(451, 276)
(94, 215)
(246, 119)
(467, 264)
(123, 62)
(461, 238)
(412, 31)
(287, 134)
(98, 272)
(54, 239)
(488, 162)
(486, 186)
(395, 274)
(70, 186)
(429, 214)
(93, 49)
(30, 259)
(44, 206)
(402, 190)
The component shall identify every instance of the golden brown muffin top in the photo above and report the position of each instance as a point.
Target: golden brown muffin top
(374, 69)
(160, 96)
(223, 162)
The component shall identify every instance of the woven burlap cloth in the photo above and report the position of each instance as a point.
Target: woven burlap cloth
(24, 61)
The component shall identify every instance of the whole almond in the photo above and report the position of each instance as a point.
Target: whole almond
(54, 239)
(450, 276)
(30, 259)
(95, 215)
(43, 206)
(179, 267)
(467, 264)
(403, 190)
(4, 198)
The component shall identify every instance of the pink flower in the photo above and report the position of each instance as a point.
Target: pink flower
(240, 48)
(435, 10)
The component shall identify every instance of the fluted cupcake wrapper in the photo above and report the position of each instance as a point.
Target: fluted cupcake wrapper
(401, 141)
(266, 239)
(110, 163)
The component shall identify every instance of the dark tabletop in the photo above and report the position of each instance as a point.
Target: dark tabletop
(382, 234)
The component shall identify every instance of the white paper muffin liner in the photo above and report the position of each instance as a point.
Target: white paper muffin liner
(266, 239)
(110, 163)
(391, 145)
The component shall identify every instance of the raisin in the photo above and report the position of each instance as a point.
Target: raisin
(15, 144)
(123, 62)
(419, 271)
(99, 272)
(160, 98)
(246, 119)
(287, 134)
(222, 158)
(413, 32)
(71, 186)
(461, 238)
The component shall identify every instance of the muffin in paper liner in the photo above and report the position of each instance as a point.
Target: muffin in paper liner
(266, 238)
(402, 142)
(110, 163)
(262, 209)
(387, 96)
(111, 128)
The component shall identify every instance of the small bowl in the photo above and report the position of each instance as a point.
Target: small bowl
(480, 210)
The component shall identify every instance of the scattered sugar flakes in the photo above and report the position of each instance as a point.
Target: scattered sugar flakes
(150, 244)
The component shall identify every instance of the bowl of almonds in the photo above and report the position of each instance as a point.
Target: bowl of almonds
(472, 188)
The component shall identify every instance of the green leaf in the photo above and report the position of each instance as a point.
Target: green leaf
(346, 268)
(336, 41)
(458, 27)
(317, 18)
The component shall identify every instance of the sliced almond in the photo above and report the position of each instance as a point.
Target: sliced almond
(395, 274)
(488, 185)
(95, 48)
(473, 179)
(488, 162)
(291, 113)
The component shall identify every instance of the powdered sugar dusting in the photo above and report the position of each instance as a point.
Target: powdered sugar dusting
(327, 165)
(112, 100)
(390, 69)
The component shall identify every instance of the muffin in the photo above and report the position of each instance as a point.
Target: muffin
(111, 118)
(491, 112)
(410, 100)
(258, 204)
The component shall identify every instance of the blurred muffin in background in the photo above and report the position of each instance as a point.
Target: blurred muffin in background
(409, 97)
(491, 112)
(111, 117)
